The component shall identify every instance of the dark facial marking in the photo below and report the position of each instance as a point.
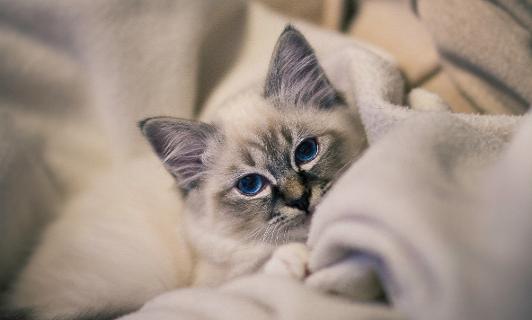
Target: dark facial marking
(287, 135)
(247, 157)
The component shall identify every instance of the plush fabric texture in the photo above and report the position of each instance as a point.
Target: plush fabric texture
(439, 206)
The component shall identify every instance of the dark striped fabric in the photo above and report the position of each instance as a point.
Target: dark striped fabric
(485, 47)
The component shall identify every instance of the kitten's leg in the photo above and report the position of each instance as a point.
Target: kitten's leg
(289, 260)
(352, 278)
(423, 100)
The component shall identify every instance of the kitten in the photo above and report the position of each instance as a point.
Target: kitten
(250, 181)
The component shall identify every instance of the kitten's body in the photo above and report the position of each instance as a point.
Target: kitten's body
(115, 246)
(123, 242)
(132, 236)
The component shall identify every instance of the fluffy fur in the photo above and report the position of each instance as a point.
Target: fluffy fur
(133, 236)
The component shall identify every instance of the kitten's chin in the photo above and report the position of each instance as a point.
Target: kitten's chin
(299, 233)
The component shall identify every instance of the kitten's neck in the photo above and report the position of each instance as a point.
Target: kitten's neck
(220, 258)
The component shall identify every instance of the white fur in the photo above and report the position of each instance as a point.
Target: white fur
(125, 241)
(117, 245)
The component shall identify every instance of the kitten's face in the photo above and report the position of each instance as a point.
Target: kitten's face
(272, 166)
(259, 171)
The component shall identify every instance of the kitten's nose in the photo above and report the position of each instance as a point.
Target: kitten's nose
(302, 203)
(295, 194)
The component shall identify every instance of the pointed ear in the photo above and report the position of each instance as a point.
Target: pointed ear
(295, 76)
(180, 144)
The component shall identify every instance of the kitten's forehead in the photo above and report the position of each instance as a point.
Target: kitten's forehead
(250, 114)
(247, 114)
(260, 135)
(257, 134)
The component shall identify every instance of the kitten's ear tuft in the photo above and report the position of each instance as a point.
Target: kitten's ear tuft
(180, 144)
(295, 76)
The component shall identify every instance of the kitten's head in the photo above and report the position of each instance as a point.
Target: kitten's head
(257, 173)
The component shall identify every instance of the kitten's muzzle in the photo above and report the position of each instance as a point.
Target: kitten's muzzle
(295, 194)
(302, 203)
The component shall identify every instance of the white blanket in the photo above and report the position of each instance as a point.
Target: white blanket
(440, 205)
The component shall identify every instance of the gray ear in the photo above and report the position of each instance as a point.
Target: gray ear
(295, 76)
(180, 144)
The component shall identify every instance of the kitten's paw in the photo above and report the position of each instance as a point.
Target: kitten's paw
(289, 260)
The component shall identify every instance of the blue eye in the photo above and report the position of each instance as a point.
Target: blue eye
(306, 151)
(251, 184)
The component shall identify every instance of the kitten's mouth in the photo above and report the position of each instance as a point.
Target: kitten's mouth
(296, 228)
(303, 220)
(310, 211)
